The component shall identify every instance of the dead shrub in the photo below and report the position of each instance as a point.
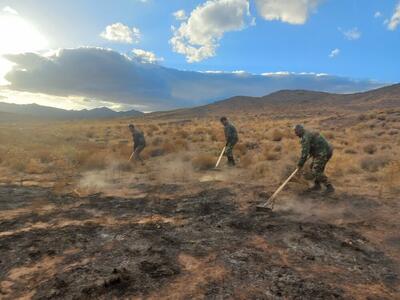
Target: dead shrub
(34, 167)
(391, 176)
(370, 149)
(373, 165)
(246, 160)
(260, 171)
(157, 141)
(152, 151)
(96, 161)
(204, 162)
(277, 135)
(241, 149)
(350, 151)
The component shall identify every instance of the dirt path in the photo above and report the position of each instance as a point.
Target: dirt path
(172, 244)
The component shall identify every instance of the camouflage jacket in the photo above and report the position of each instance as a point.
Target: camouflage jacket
(231, 135)
(138, 138)
(315, 145)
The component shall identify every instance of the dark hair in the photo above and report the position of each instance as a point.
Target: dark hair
(223, 119)
(131, 126)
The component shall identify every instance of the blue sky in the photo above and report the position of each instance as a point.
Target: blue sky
(358, 40)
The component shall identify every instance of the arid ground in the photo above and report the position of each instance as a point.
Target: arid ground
(78, 221)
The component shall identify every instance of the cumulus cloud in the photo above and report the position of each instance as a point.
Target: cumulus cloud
(395, 19)
(351, 34)
(108, 76)
(10, 10)
(180, 15)
(290, 11)
(377, 14)
(121, 33)
(334, 53)
(198, 37)
(146, 56)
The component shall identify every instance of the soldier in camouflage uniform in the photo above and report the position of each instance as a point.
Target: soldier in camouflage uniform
(231, 137)
(139, 142)
(316, 146)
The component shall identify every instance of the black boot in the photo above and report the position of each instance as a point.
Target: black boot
(231, 161)
(329, 189)
(315, 188)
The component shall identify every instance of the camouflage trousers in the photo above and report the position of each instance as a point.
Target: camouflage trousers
(136, 152)
(318, 169)
(229, 152)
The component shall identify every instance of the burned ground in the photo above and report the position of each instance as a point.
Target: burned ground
(209, 244)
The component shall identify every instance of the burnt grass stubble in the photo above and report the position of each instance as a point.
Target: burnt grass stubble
(140, 259)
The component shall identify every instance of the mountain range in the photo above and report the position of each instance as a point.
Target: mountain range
(33, 111)
(292, 101)
(285, 101)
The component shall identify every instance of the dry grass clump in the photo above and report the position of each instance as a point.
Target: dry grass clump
(246, 160)
(370, 149)
(94, 161)
(260, 171)
(268, 154)
(375, 164)
(204, 162)
(391, 176)
(277, 135)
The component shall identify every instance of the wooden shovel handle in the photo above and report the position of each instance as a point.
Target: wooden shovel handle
(220, 157)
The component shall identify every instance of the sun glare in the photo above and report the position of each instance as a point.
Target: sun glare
(17, 36)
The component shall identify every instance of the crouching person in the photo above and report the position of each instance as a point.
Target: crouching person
(231, 138)
(139, 142)
(316, 146)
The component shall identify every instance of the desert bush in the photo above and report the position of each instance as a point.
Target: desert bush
(44, 156)
(204, 162)
(94, 161)
(260, 171)
(241, 149)
(182, 134)
(246, 160)
(329, 135)
(152, 151)
(391, 176)
(373, 165)
(350, 151)
(277, 135)
(157, 141)
(34, 167)
(370, 149)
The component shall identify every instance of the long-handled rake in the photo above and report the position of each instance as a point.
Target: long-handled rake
(219, 158)
(269, 205)
(130, 158)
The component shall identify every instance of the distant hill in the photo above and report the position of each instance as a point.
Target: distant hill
(45, 112)
(292, 101)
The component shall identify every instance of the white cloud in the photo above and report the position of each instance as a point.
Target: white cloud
(10, 10)
(145, 56)
(334, 53)
(180, 15)
(121, 33)
(377, 14)
(395, 19)
(351, 34)
(289, 11)
(106, 75)
(198, 37)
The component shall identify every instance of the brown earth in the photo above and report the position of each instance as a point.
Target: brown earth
(210, 244)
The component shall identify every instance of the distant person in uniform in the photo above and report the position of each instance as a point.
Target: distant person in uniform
(316, 146)
(139, 142)
(231, 137)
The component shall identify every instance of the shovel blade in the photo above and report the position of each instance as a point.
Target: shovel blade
(264, 208)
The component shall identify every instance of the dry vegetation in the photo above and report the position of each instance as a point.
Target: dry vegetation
(368, 149)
